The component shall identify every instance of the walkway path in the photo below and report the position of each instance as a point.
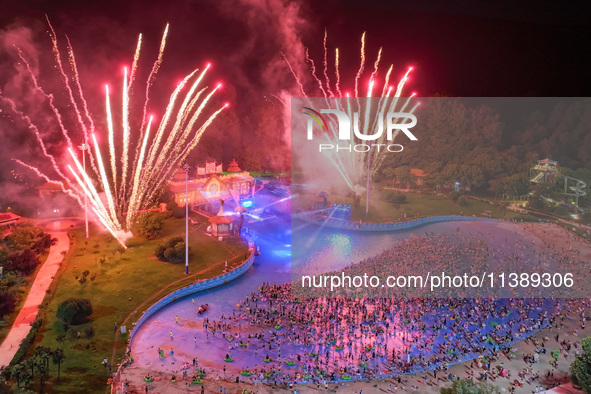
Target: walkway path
(30, 309)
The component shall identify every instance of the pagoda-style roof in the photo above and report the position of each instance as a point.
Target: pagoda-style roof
(217, 219)
(547, 161)
(233, 167)
(53, 186)
(8, 218)
(417, 172)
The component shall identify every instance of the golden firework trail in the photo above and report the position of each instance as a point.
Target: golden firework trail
(118, 192)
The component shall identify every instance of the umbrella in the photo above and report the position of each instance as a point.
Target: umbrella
(240, 209)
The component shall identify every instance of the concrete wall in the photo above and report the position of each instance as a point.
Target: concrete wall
(356, 226)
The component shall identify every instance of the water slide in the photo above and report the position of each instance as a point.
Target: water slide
(578, 190)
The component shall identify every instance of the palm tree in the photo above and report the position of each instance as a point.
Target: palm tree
(43, 353)
(26, 377)
(41, 367)
(30, 364)
(16, 371)
(58, 357)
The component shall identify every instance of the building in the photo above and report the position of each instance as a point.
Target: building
(221, 224)
(210, 185)
(419, 176)
(8, 219)
(51, 189)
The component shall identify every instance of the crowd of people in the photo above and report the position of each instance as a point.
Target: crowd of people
(276, 338)
(485, 256)
(315, 339)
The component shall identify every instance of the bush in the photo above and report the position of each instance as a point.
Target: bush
(178, 212)
(397, 198)
(7, 304)
(463, 201)
(26, 236)
(536, 202)
(172, 250)
(24, 262)
(11, 279)
(150, 224)
(26, 343)
(171, 205)
(89, 332)
(74, 310)
(467, 386)
(454, 195)
(581, 367)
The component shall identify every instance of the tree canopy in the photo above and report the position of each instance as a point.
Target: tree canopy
(581, 367)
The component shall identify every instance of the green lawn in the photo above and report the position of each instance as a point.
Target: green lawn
(127, 281)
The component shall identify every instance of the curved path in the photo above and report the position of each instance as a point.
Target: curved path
(30, 309)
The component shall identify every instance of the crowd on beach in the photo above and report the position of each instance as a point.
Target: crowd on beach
(473, 254)
(275, 338)
(343, 339)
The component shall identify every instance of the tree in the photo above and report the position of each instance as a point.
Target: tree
(26, 236)
(172, 250)
(43, 372)
(25, 262)
(44, 353)
(467, 386)
(396, 198)
(7, 303)
(16, 372)
(178, 212)
(581, 367)
(74, 310)
(150, 224)
(58, 357)
(171, 205)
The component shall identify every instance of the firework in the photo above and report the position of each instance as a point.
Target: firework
(118, 192)
(367, 112)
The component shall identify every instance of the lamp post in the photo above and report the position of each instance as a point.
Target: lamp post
(84, 148)
(367, 190)
(187, 168)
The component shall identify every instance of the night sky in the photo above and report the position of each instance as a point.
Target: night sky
(458, 48)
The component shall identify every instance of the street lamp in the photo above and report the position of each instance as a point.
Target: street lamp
(84, 148)
(367, 190)
(187, 168)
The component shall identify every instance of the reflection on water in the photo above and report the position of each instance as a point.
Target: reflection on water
(308, 247)
(285, 245)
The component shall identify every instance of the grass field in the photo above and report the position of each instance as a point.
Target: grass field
(381, 210)
(125, 285)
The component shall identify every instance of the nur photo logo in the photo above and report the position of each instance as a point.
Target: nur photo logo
(347, 130)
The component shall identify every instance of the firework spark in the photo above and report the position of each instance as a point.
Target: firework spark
(353, 168)
(118, 192)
